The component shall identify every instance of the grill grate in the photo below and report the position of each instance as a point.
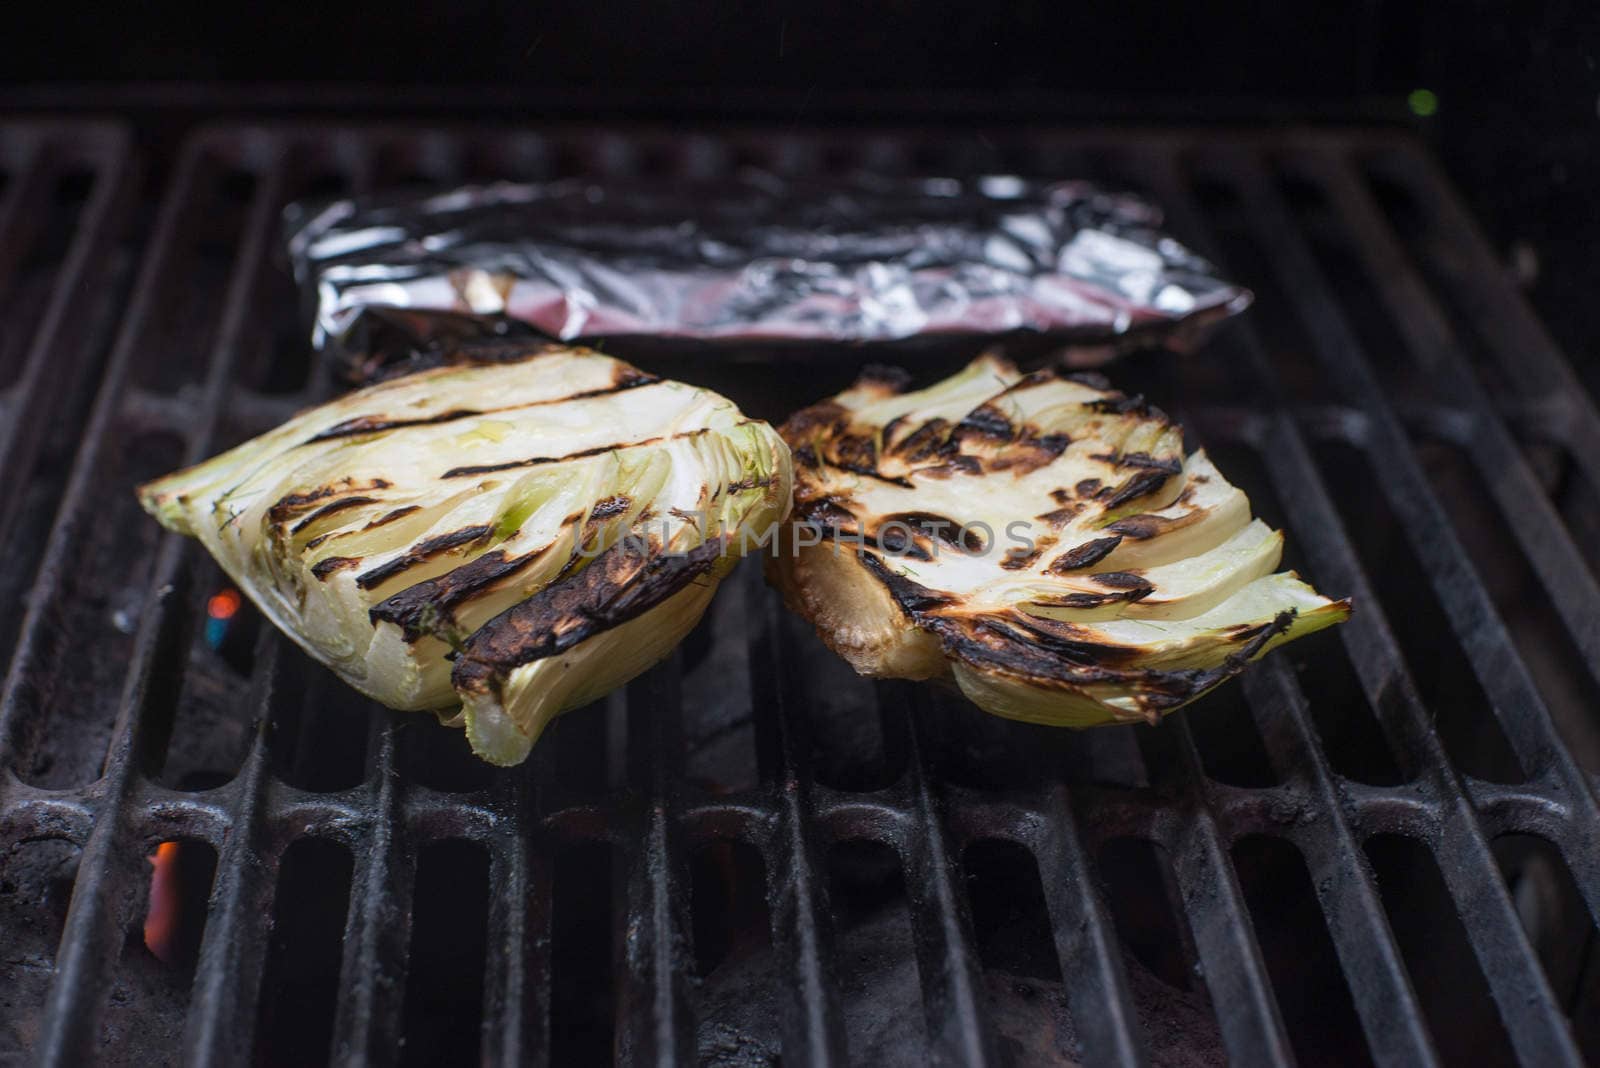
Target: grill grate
(120, 729)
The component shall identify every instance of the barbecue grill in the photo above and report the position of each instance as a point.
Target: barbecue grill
(1381, 846)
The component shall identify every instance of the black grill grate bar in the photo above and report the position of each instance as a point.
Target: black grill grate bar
(28, 813)
(516, 1029)
(47, 367)
(1086, 942)
(1526, 508)
(1386, 992)
(67, 529)
(1236, 976)
(1455, 245)
(93, 923)
(221, 1025)
(1528, 1008)
(1527, 721)
(654, 1025)
(797, 900)
(1502, 808)
(1384, 997)
(372, 975)
(958, 1032)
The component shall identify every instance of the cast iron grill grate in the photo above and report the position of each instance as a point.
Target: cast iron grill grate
(1395, 827)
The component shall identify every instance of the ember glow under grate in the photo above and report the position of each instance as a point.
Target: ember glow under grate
(1381, 847)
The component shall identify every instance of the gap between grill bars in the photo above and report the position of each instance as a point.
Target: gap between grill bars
(120, 729)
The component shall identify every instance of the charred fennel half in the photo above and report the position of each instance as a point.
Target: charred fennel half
(1042, 540)
(516, 539)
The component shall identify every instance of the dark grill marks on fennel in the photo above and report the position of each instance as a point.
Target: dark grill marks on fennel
(329, 509)
(1141, 485)
(430, 605)
(292, 504)
(886, 376)
(623, 583)
(1050, 652)
(390, 517)
(1172, 465)
(423, 550)
(375, 424)
(1125, 587)
(1085, 555)
(1081, 599)
(822, 436)
(1145, 527)
(323, 568)
(535, 461)
(942, 528)
(387, 517)
(985, 421)
(610, 507)
(1018, 558)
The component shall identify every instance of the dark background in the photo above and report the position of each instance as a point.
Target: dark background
(1517, 85)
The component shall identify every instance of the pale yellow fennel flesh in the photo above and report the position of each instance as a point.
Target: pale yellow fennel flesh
(515, 539)
(1039, 540)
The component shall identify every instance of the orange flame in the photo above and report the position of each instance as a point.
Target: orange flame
(223, 604)
(161, 921)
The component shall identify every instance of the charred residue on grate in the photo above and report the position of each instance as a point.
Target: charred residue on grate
(35, 888)
(875, 968)
(1168, 984)
(735, 968)
(1312, 992)
(300, 987)
(63, 219)
(449, 944)
(1448, 979)
(1565, 936)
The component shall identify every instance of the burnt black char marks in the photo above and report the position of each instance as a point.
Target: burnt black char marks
(291, 505)
(376, 424)
(429, 606)
(930, 440)
(942, 528)
(323, 568)
(884, 376)
(610, 507)
(626, 378)
(1049, 652)
(1085, 555)
(622, 584)
(597, 450)
(1172, 465)
(422, 551)
(985, 422)
(1018, 558)
(1147, 526)
(1141, 485)
(330, 509)
(912, 597)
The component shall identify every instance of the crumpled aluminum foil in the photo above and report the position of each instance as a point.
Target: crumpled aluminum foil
(764, 258)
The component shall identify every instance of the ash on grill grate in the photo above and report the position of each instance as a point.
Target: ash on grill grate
(748, 855)
(35, 886)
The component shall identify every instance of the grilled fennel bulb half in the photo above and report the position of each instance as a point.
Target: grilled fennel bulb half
(516, 539)
(1042, 540)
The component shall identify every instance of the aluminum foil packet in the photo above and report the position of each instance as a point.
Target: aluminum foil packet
(761, 258)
